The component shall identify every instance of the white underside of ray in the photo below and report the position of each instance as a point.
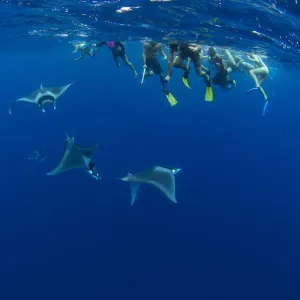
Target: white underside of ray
(159, 177)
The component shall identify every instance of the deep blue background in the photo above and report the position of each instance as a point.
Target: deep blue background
(235, 232)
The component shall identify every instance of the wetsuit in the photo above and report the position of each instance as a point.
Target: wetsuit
(117, 49)
(153, 65)
(221, 78)
(184, 52)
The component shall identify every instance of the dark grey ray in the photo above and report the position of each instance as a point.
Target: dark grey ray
(42, 96)
(76, 157)
(160, 177)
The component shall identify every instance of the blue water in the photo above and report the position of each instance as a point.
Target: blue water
(234, 233)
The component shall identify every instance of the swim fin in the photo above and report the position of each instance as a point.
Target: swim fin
(252, 90)
(185, 79)
(171, 98)
(265, 107)
(209, 94)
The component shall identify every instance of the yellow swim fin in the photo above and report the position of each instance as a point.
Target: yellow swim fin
(185, 79)
(171, 99)
(209, 93)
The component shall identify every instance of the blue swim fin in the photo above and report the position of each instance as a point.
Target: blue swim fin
(265, 107)
(252, 90)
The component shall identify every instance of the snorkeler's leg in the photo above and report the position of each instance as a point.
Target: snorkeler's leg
(263, 93)
(162, 81)
(178, 63)
(263, 73)
(116, 59)
(230, 58)
(129, 64)
(201, 73)
(252, 73)
(81, 56)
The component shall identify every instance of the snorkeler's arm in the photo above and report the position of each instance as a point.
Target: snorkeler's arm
(204, 68)
(100, 44)
(162, 52)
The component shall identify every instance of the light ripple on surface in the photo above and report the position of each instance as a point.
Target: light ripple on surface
(261, 25)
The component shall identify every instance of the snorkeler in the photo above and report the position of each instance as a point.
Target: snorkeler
(258, 74)
(236, 63)
(228, 60)
(118, 50)
(221, 77)
(190, 52)
(85, 48)
(152, 66)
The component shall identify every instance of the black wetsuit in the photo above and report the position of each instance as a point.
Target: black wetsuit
(118, 50)
(221, 78)
(154, 65)
(184, 53)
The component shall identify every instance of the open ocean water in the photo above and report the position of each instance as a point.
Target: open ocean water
(234, 233)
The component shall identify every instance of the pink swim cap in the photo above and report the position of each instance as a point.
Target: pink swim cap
(111, 44)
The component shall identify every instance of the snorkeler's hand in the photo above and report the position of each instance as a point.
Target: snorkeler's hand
(145, 66)
(165, 57)
(167, 78)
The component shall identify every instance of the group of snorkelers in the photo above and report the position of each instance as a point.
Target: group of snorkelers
(180, 56)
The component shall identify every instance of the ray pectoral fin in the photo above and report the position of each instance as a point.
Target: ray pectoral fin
(72, 159)
(126, 178)
(53, 172)
(58, 91)
(134, 189)
(19, 100)
(161, 178)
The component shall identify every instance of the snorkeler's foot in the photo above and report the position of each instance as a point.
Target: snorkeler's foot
(185, 78)
(186, 73)
(234, 83)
